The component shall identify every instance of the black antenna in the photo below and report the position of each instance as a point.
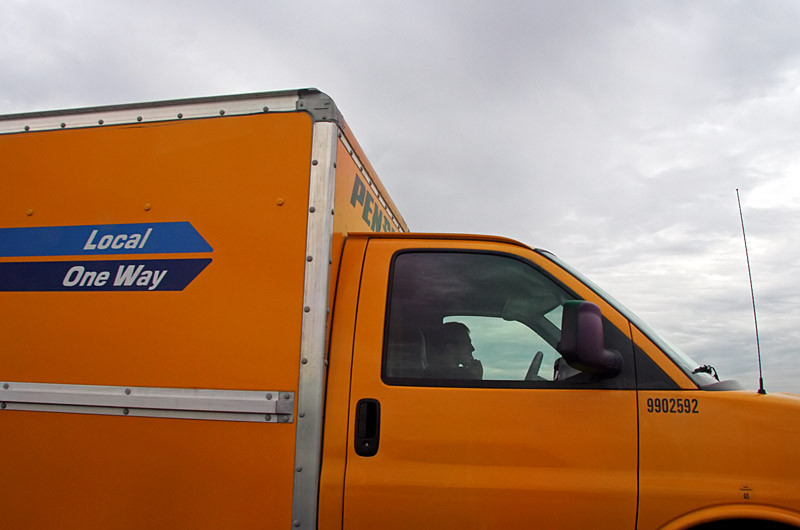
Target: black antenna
(752, 297)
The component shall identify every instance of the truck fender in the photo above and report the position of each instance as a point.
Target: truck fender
(735, 512)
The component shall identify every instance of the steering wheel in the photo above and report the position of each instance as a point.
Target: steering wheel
(533, 370)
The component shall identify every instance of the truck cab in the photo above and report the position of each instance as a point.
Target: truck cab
(620, 434)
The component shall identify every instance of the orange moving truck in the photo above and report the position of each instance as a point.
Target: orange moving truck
(213, 316)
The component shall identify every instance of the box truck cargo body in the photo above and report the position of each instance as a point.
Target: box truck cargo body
(214, 315)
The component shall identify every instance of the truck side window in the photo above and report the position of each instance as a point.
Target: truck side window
(477, 319)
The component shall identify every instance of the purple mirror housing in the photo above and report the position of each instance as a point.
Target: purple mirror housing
(582, 342)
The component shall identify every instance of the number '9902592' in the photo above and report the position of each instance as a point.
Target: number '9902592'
(672, 406)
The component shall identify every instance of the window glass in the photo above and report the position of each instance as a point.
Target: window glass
(686, 363)
(506, 349)
(480, 319)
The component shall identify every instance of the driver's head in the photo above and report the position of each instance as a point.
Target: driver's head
(456, 343)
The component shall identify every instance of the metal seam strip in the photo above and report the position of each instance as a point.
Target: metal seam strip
(191, 403)
(311, 385)
(133, 114)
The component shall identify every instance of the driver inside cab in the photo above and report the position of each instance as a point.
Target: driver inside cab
(452, 359)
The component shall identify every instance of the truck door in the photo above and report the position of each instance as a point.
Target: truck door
(462, 412)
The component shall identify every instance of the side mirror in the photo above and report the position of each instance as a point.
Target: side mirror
(582, 340)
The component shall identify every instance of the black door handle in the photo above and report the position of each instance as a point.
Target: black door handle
(368, 427)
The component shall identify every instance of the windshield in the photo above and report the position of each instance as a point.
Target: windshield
(684, 362)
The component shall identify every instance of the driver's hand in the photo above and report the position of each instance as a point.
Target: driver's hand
(476, 369)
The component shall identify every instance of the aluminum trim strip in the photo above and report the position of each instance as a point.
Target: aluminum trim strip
(311, 388)
(147, 113)
(192, 403)
(148, 413)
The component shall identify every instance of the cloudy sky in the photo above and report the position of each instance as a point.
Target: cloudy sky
(612, 133)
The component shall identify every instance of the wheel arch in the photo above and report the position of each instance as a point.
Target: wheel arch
(737, 517)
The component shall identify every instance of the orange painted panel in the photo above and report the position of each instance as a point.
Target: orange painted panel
(242, 182)
(367, 166)
(728, 450)
(337, 408)
(99, 472)
(483, 457)
(358, 207)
